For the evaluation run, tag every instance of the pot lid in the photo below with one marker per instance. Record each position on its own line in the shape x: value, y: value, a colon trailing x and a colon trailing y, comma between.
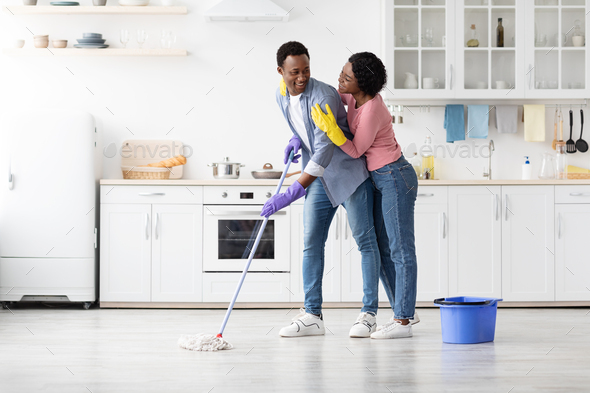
x: 266, y: 168
x: 226, y: 161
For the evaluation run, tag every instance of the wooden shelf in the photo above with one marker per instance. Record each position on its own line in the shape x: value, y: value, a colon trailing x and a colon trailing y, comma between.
x: 93, y: 52
x: 109, y: 10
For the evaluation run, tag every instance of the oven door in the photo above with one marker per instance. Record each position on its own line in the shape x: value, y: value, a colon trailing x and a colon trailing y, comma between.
x: 229, y: 233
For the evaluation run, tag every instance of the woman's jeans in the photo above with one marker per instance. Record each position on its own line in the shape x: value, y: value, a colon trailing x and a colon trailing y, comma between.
x: 395, y: 197
x: 317, y: 216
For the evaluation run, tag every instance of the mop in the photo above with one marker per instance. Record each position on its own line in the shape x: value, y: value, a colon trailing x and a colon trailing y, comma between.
x: 210, y: 342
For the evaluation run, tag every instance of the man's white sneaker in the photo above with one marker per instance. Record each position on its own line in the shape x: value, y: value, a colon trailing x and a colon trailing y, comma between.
x: 365, y: 324
x: 394, y: 330
x: 392, y: 320
x: 305, y: 325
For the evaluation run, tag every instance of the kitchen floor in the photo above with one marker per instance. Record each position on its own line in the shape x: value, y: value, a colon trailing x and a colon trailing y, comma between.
x: 67, y: 349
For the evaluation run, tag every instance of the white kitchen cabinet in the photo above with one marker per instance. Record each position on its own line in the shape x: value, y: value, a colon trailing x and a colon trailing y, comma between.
x: 332, y: 265
x: 258, y: 287
x: 125, y: 252
x: 176, y: 253
x: 572, y: 259
x: 428, y: 54
x: 475, y: 241
x: 528, y: 243
x: 555, y: 68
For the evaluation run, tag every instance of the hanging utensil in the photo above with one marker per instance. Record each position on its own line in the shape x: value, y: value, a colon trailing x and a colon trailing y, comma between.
x: 560, y: 125
x: 554, y: 130
x: 570, y: 145
x: 581, y: 144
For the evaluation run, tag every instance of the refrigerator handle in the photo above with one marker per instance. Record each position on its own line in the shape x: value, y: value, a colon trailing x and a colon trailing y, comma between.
x: 10, y: 176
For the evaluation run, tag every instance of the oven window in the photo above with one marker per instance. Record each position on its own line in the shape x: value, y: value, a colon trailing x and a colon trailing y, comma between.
x: 236, y: 238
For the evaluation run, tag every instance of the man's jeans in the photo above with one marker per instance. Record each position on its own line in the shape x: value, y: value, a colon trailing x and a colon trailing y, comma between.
x: 317, y: 216
x: 396, y: 191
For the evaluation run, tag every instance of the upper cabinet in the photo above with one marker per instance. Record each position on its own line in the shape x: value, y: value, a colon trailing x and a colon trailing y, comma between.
x: 484, y: 49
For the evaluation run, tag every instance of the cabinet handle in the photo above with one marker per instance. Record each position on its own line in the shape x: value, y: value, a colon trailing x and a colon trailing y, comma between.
x: 497, y: 207
x: 337, y: 225
x: 444, y: 228
x: 425, y: 195
x: 530, y: 75
x: 151, y: 193
x: 579, y: 193
x: 451, y: 77
x: 506, y: 207
x: 157, y: 221
x: 559, y: 226
x: 346, y: 226
x: 147, y: 219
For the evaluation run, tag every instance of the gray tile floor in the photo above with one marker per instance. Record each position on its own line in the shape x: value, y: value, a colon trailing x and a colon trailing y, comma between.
x: 73, y: 350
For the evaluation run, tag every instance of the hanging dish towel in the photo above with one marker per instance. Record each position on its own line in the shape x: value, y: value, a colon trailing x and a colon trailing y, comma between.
x: 478, y: 120
x: 534, y: 123
x: 506, y: 118
x: 455, y: 123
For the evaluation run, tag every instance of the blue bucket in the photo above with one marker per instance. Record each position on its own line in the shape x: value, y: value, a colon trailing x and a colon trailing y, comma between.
x: 467, y: 319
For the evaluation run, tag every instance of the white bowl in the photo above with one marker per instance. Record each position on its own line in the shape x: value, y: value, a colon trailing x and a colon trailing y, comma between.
x: 19, y: 43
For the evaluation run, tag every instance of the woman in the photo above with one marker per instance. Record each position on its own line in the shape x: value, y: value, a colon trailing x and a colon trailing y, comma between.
x: 359, y: 84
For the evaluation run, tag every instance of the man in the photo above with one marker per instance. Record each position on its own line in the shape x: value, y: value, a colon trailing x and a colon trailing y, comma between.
x: 330, y: 178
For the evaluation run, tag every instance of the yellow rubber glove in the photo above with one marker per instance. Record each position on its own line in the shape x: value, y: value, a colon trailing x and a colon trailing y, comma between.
x: 327, y: 123
x: 283, y: 87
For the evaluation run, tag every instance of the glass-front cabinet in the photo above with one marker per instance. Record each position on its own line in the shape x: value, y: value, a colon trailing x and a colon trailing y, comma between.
x: 513, y: 49
x: 556, y: 56
x: 420, y: 50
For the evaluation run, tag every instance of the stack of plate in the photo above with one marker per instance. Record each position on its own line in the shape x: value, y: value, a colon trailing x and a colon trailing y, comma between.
x: 134, y: 2
x: 65, y: 3
x: 91, y: 40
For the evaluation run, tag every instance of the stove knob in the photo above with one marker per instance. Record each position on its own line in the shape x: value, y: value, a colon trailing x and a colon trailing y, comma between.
x: 268, y: 194
x: 224, y: 195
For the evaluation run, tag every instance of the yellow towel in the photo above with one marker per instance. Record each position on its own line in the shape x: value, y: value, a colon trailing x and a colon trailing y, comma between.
x: 577, y: 169
x: 534, y: 123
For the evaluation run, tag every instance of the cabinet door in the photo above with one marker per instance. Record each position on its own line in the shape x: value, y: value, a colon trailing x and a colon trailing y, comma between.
x: 125, y: 252
x: 556, y: 66
x: 331, y: 279
x: 431, y: 234
x: 572, y: 259
x: 177, y: 253
x: 480, y: 68
x: 475, y: 241
x: 528, y: 243
x: 419, y: 43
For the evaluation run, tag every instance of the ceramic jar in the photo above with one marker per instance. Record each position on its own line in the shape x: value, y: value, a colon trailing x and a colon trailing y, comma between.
x: 411, y: 82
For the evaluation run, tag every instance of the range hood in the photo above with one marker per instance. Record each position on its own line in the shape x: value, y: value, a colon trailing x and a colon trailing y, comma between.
x: 246, y: 11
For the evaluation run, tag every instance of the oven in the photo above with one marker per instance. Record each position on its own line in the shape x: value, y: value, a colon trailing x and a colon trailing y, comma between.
x: 231, y: 223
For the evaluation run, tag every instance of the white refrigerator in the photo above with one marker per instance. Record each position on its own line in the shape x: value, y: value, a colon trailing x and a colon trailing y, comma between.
x: 51, y: 165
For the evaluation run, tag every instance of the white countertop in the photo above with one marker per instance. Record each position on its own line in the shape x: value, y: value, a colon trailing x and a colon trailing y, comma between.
x: 255, y: 182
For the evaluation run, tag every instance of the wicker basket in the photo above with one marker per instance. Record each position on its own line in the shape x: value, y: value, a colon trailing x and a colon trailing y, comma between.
x: 145, y: 173
x: 578, y: 175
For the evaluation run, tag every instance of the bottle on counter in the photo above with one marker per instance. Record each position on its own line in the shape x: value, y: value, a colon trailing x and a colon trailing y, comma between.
x: 417, y: 165
x: 560, y: 161
x: 473, y: 38
x: 500, y: 34
x: 427, y: 160
x: 527, y: 169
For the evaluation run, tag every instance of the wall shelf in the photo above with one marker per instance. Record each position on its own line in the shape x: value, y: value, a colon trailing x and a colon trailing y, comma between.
x: 95, y: 10
x: 93, y: 52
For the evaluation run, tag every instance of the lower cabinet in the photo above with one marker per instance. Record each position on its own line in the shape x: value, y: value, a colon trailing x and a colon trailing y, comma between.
x: 257, y: 287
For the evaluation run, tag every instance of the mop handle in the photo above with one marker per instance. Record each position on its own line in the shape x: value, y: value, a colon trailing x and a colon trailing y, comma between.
x: 258, y: 237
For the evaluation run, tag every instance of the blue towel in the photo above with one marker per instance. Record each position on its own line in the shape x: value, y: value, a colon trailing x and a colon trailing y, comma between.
x: 478, y: 119
x: 455, y: 123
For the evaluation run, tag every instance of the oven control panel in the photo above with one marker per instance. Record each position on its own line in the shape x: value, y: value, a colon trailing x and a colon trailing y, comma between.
x: 232, y: 195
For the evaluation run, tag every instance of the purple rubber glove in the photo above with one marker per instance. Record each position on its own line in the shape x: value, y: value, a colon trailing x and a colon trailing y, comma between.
x: 295, y: 145
x: 279, y: 201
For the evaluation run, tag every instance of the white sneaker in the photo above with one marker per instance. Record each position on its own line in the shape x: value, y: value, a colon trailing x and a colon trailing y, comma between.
x: 304, y: 325
x: 394, y: 330
x: 365, y: 324
x: 392, y: 320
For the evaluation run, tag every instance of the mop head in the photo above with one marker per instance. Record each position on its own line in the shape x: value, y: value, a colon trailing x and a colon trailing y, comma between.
x: 204, y: 342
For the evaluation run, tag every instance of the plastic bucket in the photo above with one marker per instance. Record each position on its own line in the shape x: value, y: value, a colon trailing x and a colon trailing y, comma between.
x: 467, y: 319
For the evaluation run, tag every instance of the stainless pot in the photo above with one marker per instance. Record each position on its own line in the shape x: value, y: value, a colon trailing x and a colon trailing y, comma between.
x: 226, y: 169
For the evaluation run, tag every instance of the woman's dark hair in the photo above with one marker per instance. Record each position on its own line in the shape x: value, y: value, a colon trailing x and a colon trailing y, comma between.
x: 369, y: 71
x: 291, y: 48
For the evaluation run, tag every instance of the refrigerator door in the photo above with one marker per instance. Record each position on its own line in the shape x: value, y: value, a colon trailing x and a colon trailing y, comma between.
x: 47, y: 185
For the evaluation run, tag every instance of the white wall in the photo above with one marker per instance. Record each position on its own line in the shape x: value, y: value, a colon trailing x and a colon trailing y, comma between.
x: 239, y: 117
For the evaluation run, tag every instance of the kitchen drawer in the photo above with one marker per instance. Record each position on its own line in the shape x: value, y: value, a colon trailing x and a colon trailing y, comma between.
x: 152, y: 194
x: 431, y: 194
x: 238, y: 195
x: 572, y: 194
x: 258, y: 287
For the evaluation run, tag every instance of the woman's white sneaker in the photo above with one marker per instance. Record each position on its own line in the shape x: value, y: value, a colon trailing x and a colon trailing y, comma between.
x: 392, y: 320
x: 365, y: 324
x: 394, y: 330
x: 304, y: 325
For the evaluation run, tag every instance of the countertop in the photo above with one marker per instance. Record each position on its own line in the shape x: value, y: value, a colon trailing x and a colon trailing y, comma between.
x: 255, y: 182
